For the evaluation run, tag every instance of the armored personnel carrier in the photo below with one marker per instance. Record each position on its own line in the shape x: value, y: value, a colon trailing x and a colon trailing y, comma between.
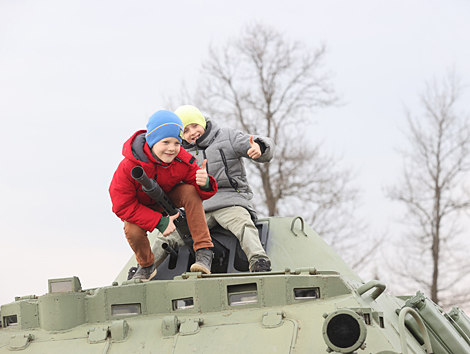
x: 312, y: 302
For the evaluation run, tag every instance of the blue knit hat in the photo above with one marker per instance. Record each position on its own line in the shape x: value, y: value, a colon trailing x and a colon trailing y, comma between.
x: 163, y: 124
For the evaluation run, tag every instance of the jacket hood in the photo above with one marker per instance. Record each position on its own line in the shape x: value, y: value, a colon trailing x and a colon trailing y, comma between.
x: 135, y: 148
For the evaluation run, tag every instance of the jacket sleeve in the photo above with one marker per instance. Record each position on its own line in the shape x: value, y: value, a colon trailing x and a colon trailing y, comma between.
x: 191, y: 179
x: 123, y: 192
x: 241, y: 144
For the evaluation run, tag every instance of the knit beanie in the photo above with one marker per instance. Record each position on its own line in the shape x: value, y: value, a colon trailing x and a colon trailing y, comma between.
x: 163, y: 124
x: 189, y: 115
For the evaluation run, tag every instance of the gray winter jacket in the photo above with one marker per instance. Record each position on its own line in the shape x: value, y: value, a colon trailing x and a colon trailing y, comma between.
x: 224, y: 149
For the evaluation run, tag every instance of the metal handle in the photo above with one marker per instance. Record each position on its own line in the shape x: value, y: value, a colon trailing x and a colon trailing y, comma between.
x: 372, y: 284
x: 402, y: 330
x: 302, y: 223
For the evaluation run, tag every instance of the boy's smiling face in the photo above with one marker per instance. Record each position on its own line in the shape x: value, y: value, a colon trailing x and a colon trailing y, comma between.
x: 192, y: 132
x: 167, y: 149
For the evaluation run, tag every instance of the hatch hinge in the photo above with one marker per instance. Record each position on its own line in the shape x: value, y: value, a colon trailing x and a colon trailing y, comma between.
x: 119, y: 330
x: 170, y: 326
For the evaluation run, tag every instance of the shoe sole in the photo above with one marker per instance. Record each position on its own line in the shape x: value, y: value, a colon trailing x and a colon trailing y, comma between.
x: 151, y: 276
x: 199, y: 268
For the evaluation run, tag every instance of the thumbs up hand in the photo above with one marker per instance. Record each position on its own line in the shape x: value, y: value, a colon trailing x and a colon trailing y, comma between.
x: 201, y: 175
x: 254, y: 151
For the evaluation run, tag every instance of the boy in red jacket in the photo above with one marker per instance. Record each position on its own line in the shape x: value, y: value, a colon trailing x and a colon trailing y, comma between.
x: 158, y: 151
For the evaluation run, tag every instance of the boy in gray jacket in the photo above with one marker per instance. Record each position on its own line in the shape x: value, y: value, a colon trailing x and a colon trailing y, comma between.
x: 230, y: 207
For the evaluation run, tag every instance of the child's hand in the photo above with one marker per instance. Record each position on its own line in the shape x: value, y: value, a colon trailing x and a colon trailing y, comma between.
x: 201, y: 175
x: 254, y: 151
x: 171, y: 226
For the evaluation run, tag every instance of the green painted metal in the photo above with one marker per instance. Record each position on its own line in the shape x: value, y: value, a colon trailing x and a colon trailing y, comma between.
x: 312, y: 302
x: 422, y: 328
x: 444, y: 336
x: 461, y: 321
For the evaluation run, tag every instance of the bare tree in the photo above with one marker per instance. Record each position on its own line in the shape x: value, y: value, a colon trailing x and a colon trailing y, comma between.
x: 265, y: 84
x: 434, y: 193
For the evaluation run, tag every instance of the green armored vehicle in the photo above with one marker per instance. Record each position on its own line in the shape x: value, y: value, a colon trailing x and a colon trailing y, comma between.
x: 312, y: 302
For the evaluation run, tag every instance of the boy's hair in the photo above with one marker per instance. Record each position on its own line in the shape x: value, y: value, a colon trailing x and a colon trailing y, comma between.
x: 190, y: 115
x: 163, y: 124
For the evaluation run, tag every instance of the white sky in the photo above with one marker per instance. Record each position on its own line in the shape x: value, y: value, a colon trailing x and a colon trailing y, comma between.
x: 77, y: 78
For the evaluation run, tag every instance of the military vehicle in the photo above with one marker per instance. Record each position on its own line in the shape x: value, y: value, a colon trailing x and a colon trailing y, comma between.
x: 312, y: 302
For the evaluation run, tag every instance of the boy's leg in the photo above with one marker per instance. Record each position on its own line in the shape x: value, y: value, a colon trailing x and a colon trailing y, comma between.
x: 139, y: 242
x: 210, y: 219
x: 185, y: 195
x: 238, y: 221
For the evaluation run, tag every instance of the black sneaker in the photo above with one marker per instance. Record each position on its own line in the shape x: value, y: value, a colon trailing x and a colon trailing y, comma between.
x: 131, y: 272
x: 261, y: 265
x: 203, y: 261
x: 145, y: 273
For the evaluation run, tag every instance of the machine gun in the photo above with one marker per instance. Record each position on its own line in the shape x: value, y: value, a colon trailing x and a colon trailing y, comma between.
x: 154, y: 191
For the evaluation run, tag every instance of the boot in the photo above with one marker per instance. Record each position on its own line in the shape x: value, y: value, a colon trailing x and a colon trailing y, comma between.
x: 145, y: 273
x: 203, y: 261
x: 261, y: 265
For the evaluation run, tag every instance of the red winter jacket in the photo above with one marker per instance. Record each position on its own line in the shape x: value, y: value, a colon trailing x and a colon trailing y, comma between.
x: 130, y: 202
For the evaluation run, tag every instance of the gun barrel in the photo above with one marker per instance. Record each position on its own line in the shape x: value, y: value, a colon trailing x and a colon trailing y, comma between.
x: 140, y: 176
x: 168, y: 249
x: 155, y: 192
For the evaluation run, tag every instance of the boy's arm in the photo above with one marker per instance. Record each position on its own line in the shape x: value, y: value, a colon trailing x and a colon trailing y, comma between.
x: 123, y: 192
x: 241, y: 144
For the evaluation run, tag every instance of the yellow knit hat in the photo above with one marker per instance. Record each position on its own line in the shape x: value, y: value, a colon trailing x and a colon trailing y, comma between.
x: 189, y: 115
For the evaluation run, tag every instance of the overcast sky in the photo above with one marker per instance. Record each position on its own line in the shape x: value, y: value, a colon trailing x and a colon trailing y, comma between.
x: 77, y: 78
